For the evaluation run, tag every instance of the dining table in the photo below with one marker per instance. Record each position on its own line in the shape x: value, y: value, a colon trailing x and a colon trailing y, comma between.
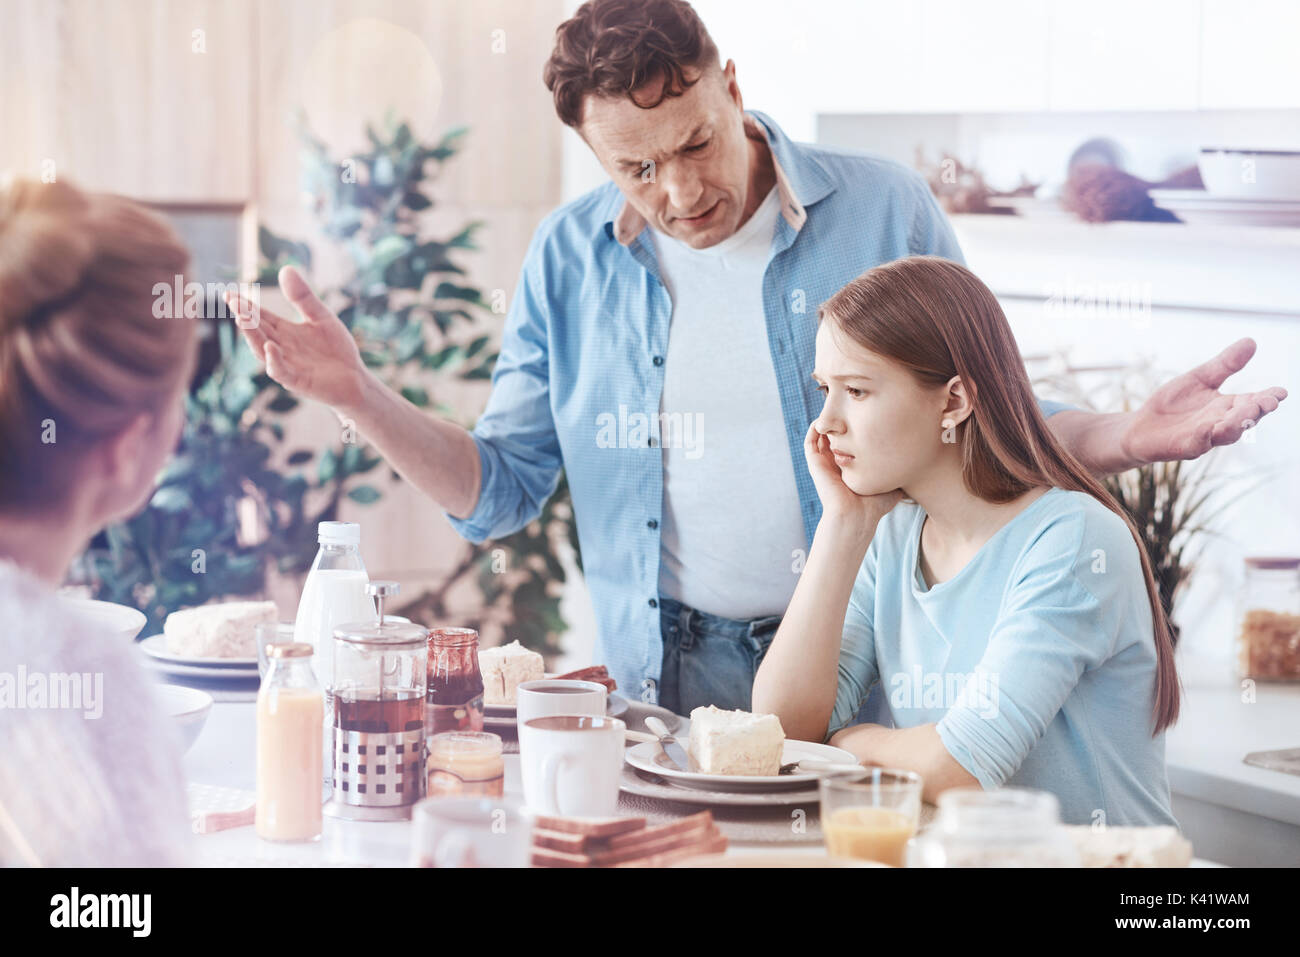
x: 220, y: 771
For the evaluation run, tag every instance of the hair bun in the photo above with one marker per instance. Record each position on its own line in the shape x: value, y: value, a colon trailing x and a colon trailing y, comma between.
x: 45, y: 249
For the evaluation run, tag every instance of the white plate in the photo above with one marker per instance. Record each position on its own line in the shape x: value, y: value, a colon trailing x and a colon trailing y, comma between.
x: 155, y: 647
x: 232, y: 675
x: 645, y: 784
x: 650, y: 757
x: 1197, y: 206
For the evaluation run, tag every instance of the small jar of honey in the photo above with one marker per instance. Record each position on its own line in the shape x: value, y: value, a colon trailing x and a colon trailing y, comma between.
x: 465, y: 763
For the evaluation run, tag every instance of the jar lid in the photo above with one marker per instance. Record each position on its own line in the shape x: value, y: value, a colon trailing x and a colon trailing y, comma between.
x: 465, y: 742
x: 999, y: 812
x: 1272, y: 561
x: 453, y: 637
x: 290, y: 649
x: 390, y: 633
x: 338, y: 533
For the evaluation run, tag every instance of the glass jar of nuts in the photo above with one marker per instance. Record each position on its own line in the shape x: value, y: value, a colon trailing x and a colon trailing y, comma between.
x: 1268, y: 620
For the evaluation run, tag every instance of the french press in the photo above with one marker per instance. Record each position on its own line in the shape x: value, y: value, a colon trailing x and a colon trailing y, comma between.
x: 380, y: 675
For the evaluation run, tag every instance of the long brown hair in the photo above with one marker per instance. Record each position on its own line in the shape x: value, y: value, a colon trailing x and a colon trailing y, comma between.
x: 80, y: 346
x: 936, y: 318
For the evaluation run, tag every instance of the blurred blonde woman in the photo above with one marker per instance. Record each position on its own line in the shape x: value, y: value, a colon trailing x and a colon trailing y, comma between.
x: 91, y: 405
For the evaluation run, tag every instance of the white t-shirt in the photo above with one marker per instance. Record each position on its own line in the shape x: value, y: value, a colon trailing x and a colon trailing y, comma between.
x: 731, y: 517
x: 98, y: 784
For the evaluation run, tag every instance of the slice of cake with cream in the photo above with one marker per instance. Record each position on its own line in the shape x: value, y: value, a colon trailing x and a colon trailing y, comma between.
x: 735, y: 742
x: 505, y: 668
x: 226, y: 630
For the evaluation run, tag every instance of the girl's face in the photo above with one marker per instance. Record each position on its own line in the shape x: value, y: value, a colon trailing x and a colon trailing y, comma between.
x: 882, y: 423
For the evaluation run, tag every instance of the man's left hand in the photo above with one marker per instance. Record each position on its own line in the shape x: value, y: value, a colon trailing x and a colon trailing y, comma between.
x: 1188, y: 415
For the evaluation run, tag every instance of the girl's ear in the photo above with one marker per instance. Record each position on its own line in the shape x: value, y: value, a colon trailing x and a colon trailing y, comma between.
x: 958, y: 404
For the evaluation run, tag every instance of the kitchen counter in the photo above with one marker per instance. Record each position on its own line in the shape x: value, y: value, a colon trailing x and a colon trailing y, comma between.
x: 1231, y: 811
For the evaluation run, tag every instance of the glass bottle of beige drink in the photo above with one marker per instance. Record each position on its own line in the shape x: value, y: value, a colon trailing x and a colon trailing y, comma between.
x: 290, y: 712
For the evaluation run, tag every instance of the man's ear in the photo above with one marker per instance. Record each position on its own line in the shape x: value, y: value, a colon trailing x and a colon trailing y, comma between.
x: 958, y: 401
x: 732, y: 87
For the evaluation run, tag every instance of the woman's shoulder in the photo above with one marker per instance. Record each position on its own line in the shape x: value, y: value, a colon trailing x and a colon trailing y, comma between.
x: 45, y: 632
x: 1072, y: 529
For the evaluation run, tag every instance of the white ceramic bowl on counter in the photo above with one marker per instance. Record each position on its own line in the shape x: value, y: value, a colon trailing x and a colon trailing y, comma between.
x: 1250, y: 174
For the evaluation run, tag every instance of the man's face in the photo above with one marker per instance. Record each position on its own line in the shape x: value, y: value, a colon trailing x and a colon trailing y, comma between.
x: 684, y: 165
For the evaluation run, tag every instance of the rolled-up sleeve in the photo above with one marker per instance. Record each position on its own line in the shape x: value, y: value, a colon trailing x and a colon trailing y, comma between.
x: 858, y: 670
x: 1051, y: 630
x: 518, y: 449
x: 1049, y: 408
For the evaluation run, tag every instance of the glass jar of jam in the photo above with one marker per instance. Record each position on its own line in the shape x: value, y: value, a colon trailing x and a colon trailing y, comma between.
x: 454, y: 699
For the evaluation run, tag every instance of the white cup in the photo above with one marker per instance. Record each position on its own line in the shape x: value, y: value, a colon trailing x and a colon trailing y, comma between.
x: 471, y: 832
x: 536, y: 699
x: 571, y: 764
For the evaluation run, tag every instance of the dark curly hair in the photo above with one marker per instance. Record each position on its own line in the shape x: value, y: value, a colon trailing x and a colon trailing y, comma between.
x: 613, y: 47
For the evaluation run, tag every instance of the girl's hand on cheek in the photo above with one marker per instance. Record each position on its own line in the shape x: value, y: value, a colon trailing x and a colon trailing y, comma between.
x: 840, y: 504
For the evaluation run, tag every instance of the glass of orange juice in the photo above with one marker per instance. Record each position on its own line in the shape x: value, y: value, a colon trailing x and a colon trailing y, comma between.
x: 871, y: 816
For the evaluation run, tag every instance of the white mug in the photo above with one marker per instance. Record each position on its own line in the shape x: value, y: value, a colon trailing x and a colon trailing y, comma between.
x: 536, y: 699
x: 571, y: 764
x: 471, y: 832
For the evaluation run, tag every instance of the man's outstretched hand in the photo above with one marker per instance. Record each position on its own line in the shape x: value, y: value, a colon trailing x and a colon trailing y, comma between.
x: 317, y: 357
x: 1188, y: 415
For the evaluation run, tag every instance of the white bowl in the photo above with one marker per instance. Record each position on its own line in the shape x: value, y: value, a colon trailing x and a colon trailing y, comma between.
x: 122, y: 620
x: 1250, y: 174
x: 188, y: 707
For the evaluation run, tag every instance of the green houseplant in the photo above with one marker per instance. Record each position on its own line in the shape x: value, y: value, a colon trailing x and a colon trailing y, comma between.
x: 236, y: 502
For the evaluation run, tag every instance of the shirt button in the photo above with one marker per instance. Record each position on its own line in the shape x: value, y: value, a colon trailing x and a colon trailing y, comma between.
x: 658, y: 360
x: 653, y: 603
x: 652, y: 524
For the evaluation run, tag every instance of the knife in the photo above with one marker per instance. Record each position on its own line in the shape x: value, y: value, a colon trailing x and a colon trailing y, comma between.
x: 676, y: 753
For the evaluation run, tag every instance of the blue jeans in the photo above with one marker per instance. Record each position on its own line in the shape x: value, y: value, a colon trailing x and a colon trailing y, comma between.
x: 709, y: 660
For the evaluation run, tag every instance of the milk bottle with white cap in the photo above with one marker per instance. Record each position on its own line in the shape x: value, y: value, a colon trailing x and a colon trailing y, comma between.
x: 334, y: 594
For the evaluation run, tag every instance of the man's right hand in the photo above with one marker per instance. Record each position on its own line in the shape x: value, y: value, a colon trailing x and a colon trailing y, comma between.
x: 316, y: 358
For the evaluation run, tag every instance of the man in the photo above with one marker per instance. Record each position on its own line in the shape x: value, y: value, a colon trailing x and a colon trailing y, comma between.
x: 659, y: 349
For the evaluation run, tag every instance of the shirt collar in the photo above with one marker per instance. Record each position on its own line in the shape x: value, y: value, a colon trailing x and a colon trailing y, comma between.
x: 800, y: 181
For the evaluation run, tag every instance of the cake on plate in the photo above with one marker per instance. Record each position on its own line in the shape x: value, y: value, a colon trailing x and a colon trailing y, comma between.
x: 1162, y: 846
x: 735, y: 742
x: 505, y: 668
x: 226, y: 630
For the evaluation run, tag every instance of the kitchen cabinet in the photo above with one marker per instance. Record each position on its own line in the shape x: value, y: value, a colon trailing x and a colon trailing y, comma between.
x: 1120, y: 55
x: 152, y: 98
x: 1007, y: 56
x: 1248, y: 54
